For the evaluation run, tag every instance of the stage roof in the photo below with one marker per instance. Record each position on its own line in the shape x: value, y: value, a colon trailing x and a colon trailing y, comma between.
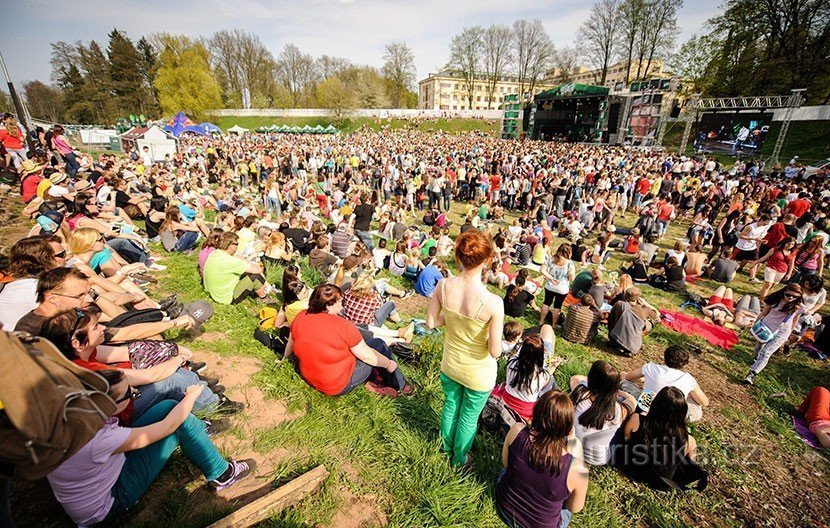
x: 572, y: 90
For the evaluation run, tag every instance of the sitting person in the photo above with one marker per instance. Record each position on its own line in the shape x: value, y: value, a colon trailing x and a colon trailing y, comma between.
x: 28, y: 258
x: 542, y: 468
x: 294, y: 300
x: 363, y: 305
x: 528, y: 375
x: 581, y: 321
x: 816, y: 411
x: 320, y: 258
x: 277, y: 250
x: 108, y: 475
x: 671, y: 373
x: 695, y: 260
x: 429, y: 277
x: 346, y: 272
x: 723, y: 269
x: 495, y: 275
x: 331, y: 354
x: 517, y: 299
x: 209, y: 245
x: 721, y: 306
x: 671, y: 278
x: 600, y: 409
x: 639, y: 268
x: 380, y: 255
x: 79, y: 336
x: 231, y: 280
x: 629, y: 320
x: 632, y: 242
x: 652, y: 443
x: 178, y: 235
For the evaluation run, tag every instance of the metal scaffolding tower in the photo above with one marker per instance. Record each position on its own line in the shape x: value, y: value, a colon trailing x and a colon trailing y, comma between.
x: 795, y: 100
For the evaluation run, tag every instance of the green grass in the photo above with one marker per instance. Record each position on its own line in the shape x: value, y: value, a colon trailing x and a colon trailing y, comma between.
x: 350, y: 124
x: 392, y: 448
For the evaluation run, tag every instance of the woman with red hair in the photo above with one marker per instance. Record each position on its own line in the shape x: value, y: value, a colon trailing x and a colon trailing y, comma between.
x: 474, y: 318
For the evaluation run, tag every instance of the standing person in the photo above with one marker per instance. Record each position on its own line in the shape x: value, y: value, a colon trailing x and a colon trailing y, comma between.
x: 780, y: 261
x: 559, y: 271
x: 665, y: 214
x: 474, y: 319
x: 362, y: 221
x: 66, y: 151
x: 773, y: 328
x: 544, y: 481
x: 749, y: 240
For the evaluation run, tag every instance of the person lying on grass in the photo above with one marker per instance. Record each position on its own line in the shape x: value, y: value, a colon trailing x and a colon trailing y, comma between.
x: 816, y: 412
x: 107, y: 477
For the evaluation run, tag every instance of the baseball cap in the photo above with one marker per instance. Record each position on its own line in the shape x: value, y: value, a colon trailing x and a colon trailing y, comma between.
x: 200, y: 311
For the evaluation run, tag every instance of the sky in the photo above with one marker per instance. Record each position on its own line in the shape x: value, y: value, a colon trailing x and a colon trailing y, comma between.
x: 355, y: 29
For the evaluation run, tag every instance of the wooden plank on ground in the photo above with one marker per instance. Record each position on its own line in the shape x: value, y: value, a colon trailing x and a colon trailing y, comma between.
x: 275, y: 501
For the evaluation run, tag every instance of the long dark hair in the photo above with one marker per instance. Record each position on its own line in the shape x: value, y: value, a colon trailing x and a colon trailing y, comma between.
x: 516, y: 288
x: 789, y: 307
x: 664, y: 428
x: 529, y: 362
x: 553, y: 420
x: 289, y: 275
x: 603, y: 383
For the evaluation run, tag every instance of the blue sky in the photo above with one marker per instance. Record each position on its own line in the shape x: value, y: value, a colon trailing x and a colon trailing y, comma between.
x: 355, y: 29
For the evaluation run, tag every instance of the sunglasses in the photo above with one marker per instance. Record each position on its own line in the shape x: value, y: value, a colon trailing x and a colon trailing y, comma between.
x: 80, y: 316
x: 792, y: 296
x: 131, y: 394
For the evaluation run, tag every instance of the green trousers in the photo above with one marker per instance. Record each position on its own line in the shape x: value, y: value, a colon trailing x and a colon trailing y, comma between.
x: 459, y: 418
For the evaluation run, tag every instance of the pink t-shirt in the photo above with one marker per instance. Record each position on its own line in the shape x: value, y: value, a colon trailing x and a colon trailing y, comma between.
x: 83, y: 483
x: 203, y: 255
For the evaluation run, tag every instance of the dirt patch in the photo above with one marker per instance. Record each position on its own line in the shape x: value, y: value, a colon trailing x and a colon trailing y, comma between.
x: 411, y: 305
x: 210, y: 337
x: 357, y: 512
x: 13, y: 226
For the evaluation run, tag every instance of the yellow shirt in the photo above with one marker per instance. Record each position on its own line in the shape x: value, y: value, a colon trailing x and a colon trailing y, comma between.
x: 42, y: 187
x: 294, y: 309
x: 467, y: 358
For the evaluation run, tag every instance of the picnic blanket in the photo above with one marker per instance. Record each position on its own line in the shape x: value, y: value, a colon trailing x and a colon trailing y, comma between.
x: 804, y: 432
x: 686, y: 324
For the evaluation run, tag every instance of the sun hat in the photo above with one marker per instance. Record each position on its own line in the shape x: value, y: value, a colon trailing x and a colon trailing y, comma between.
x: 57, y: 177
x: 30, y: 167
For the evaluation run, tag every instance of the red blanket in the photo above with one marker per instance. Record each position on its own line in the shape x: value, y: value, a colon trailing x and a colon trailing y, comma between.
x: 686, y: 324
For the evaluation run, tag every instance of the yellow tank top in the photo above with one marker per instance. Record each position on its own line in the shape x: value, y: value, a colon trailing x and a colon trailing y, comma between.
x: 467, y: 358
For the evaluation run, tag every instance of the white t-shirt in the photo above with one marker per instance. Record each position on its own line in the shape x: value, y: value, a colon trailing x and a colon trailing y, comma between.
x: 755, y: 231
x: 596, y: 443
x: 659, y: 376
x: 16, y: 300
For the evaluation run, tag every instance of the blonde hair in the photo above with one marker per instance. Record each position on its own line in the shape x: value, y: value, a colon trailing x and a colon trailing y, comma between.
x: 276, y: 239
x: 625, y: 282
x: 82, y: 239
x: 363, y: 286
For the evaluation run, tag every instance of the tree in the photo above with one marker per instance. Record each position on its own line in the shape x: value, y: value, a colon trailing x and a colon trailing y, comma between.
x: 97, y: 86
x: 497, y: 43
x: 331, y: 66
x: 565, y: 61
x: 184, y: 79
x: 44, y: 101
x: 334, y: 94
x: 399, y: 71
x: 465, y: 58
x: 149, y: 67
x: 533, y: 53
x: 657, y: 34
x: 296, y: 70
x: 630, y: 15
x: 597, y: 37
x: 6, y: 104
x: 692, y: 61
x: 242, y: 62
x: 126, y: 76
x: 772, y: 47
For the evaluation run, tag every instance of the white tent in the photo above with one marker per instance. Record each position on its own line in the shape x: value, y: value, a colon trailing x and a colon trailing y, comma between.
x: 236, y: 129
x: 159, y: 142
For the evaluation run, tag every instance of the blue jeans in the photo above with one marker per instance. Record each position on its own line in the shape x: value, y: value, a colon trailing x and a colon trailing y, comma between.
x: 142, y: 466
x: 274, y: 205
x: 128, y: 250
x: 362, y: 371
x: 172, y: 388
x: 366, y: 238
x: 187, y: 241
x: 72, y: 164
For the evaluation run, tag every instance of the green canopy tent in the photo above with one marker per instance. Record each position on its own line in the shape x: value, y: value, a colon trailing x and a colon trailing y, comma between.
x: 262, y: 129
x: 331, y: 130
x: 294, y: 130
x: 306, y: 130
x: 273, y: 128
x: 318, y: 129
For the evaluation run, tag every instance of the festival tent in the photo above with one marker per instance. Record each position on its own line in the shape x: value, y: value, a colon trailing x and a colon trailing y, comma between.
x: 210, y: 128
x: 181, y: 123
x: 306, y: 130
x: 275, y: 128
x: 294, y: 130
x: 331, y: 130
x: 319, y: 129
x: 262, y: 129
x: 284, y: 129
x: 158, y: 141
x: 236, y: 129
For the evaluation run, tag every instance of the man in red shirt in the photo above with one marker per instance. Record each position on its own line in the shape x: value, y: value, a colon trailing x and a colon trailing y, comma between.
x: 799, y: 206
x: 495, y: 188
x: 642, y: 188
x: 665, y: 210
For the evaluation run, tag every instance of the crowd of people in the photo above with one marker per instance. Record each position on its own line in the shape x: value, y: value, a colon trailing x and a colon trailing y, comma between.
x: 367, y: 212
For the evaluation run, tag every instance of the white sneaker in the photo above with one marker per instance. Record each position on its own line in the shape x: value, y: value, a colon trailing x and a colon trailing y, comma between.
x: 750, y: 379
x: 156, y: 267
